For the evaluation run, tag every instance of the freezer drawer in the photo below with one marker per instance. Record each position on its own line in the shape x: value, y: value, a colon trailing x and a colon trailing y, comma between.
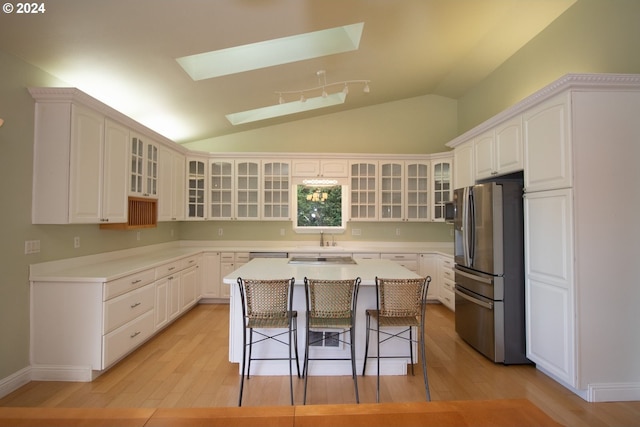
x: 479, y: 323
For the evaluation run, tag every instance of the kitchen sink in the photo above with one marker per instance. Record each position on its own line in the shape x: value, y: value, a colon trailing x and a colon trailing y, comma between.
x: 321, y: 260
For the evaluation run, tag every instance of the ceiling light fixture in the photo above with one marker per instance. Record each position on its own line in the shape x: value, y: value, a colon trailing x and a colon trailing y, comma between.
x: 322, y: 88
x: 299, y: 102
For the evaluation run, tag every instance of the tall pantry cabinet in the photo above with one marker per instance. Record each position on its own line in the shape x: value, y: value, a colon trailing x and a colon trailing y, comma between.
x: 582, y: 147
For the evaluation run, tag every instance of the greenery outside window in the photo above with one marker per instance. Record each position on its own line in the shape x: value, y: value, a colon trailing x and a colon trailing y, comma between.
x: 319, y: 208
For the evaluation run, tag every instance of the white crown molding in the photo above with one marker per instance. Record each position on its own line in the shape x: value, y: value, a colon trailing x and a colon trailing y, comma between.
x: 593, y: 82
x: 74, y: 95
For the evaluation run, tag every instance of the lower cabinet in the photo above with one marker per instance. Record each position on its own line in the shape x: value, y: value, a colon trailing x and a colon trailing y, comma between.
x: 79, y: 329
x: 446, y: 280
x: 428, y: 266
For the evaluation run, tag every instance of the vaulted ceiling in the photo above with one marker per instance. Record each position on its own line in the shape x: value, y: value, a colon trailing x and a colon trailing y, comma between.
x: 124, y: 52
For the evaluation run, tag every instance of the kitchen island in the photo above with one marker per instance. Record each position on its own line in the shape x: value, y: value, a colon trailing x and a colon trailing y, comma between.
x: 281, y: 268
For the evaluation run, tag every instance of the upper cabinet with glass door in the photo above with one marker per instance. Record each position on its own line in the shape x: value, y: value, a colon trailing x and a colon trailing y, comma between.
x: 276, y: 190
x: 221, y: 189
x: 364, y: 191
x: 247, y: 189
x: 442, y: 186
x: 391, y: 191
x: 404, y: 191
x: 143, y: 180
x: 196, y: 189
x: 417, y: 191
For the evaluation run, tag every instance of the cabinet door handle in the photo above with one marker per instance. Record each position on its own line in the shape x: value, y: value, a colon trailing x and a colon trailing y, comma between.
x: 171, y: 268
x: 135, y: 334
x: 135, y: 305
x: 136, y: 281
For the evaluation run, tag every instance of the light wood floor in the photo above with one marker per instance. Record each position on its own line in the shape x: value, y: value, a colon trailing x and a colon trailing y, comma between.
x: 187, y: 365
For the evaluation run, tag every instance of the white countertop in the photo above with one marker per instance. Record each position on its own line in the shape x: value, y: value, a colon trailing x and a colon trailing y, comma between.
x: 279, y: 268
x: 113, y: 265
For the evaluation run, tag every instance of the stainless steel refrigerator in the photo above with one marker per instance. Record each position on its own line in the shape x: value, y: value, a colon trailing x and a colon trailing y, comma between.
x: 489, y: 271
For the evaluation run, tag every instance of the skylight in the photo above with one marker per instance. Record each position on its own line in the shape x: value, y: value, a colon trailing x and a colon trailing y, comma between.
x: 272, y: 52
x: 286, y: 108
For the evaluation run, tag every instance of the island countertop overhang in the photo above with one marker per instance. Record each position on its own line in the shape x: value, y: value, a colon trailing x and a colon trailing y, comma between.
x: 280, y: 268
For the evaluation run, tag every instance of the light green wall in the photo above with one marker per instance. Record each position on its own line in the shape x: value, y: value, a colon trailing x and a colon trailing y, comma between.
x: 416, y: 125
x: 265, y: 231
x: 16, y: 140
x: 592, y: 36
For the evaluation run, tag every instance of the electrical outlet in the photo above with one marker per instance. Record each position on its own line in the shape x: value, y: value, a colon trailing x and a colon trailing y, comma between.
x: 31, y: 247
x: 220, y: 232
x: 397, y: 231
x: 282, y: 231
x: 76, y: 242
x: 138, y: 236
x: 356, y: 232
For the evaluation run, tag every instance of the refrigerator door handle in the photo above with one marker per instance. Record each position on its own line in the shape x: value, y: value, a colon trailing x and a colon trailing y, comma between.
x: 474, y: 277
x: 465, y: 226
x: 473, y: 300
x: 472, y: 228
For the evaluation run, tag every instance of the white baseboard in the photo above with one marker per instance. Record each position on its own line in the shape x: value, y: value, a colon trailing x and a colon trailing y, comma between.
x: 614, y: 392
x: 14, y: 381
x: 62, y: 373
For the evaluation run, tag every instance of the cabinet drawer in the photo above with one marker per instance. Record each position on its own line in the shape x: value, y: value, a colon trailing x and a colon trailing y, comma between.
x: 126, y: 338
x: 447, y: 263
x: 189, y: 262
x: 449, y: 285
x: 127, y: 307
x: 167, y: 269
x: 242, y: 257
x: 400, y: 257
x: 363, y: 255
x: 447, y: 274
x: 128, y: 283
x: 227, y: 257
x: 447, y: 298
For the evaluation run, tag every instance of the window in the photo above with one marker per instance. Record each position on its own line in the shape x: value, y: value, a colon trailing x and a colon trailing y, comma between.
x: 320, y: 208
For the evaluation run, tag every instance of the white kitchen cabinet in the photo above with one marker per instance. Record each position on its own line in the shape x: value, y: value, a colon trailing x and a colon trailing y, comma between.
x: 581, y: 292
x: 170, y: 185
x: 549, y: 286
x: 405, y: 190
x: 428, y: 266
x: 229, y: 262
x: 80, y: 163
x: 392, y: 198
x: 463, y: 173
x: 324, y: 168
x: 364, y: 191
x: 500, y: 150
x: 161, y: 309
x: 247, y: 193
x: 276, y: 190
x: 547, y: 142
x: 211, y: 284
x: 143, y: 178
x: 221, y: 189
x: 407, y: 260
x: 446, y: 281
x: 196, y: 189
x: 189, y: 288
x: 79, y: 328
x: 440, y: 187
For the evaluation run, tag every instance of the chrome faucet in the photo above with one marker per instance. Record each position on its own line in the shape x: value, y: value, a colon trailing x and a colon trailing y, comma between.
x: 321, y: 238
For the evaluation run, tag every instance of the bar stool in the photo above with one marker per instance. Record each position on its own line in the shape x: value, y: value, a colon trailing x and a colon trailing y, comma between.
x: 267, y: 304
x: 399, y: 303
x: 331, y: 304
